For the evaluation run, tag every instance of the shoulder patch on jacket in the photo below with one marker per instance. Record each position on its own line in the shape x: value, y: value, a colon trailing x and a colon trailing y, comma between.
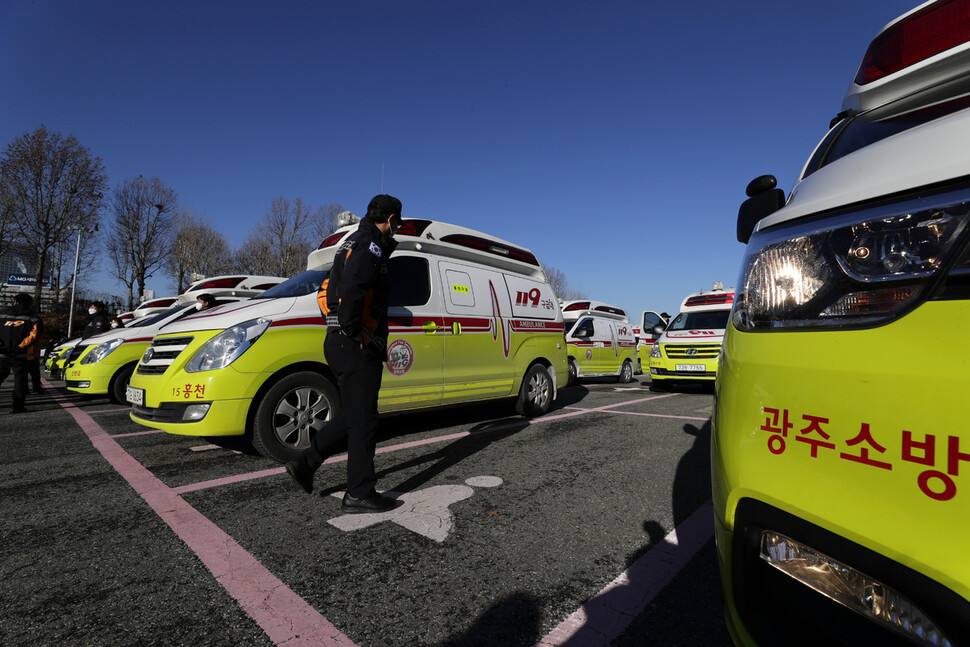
x: 375, y: 249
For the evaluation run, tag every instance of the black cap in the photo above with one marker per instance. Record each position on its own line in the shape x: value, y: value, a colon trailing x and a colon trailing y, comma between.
x: 382, y: 207
x: 23, y: 298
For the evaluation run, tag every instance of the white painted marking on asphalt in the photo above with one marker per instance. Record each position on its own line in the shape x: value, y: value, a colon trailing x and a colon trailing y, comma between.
x: 203, y: 448
x: 483, y: 481
x: 422, y: 511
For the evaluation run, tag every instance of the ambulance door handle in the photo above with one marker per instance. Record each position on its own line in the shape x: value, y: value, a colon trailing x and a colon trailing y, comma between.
x: 455, y: 328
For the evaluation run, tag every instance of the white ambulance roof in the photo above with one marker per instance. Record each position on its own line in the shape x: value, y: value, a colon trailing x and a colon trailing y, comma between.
x: 242, y: 285
x: 452, y: 241
x: 722, y: 299
x: 577, y: 308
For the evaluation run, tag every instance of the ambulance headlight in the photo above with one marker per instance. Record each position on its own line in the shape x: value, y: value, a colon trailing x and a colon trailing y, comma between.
x: 655, y: 350
x: 857, y: 269
x: 101, y: 351
x: 226, y: 347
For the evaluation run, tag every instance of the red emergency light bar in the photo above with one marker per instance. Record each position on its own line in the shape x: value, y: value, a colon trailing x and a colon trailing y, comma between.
x: 710, y: 300
x: 157, y: 303
x: 332, y: 239
x: 579, y: 305
x: 412, y: 227
x: 917, y: 37
x: 491, y: 247
x: 227, y: 282
x: 611, y: 310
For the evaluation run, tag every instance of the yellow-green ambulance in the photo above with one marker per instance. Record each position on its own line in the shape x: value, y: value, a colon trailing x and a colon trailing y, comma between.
x: 472, y: 318
x: 103, y: 364
x: 841, y: 447
x: 599, y: 340
x: 686, y: 350
x: 647, y: 333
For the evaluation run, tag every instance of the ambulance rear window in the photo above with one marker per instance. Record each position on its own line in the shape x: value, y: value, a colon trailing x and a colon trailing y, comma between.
x: 410, y: 280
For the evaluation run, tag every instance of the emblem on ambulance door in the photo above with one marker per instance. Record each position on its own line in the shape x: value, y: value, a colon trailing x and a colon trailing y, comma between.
x: 400, y: 356
x: 589, y: 354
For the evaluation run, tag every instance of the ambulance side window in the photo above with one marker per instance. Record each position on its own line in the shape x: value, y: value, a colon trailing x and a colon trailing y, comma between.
x: 410, y: 281
x: 584, y: 329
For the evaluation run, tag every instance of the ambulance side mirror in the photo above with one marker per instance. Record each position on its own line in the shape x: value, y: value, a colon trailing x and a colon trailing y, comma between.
x: 582, y: 333
x: 763, y: 200
x: 658, y: 329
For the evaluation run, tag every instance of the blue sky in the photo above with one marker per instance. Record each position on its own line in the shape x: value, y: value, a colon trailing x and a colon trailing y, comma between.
x: 614, y: 139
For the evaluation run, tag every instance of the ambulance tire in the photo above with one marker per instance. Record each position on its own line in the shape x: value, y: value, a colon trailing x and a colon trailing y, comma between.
x: 626, y: 373
x: 573, y: 372
x: 294, y: 408
x: 535, y: 394
x: 118, y: 390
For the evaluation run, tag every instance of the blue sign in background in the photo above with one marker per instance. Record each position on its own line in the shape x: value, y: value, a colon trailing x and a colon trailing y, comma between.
x: 26, y: 279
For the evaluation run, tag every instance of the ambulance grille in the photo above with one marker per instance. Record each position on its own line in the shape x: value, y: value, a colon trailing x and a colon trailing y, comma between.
x: 76, y: 351
x: 691, y: 351
x: 164, y: 352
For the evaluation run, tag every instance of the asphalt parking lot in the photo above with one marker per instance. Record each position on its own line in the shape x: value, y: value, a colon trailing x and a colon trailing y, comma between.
x: 588, y: 526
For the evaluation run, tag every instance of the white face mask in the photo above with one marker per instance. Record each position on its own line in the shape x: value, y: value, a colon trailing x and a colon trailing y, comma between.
x: 114, y: 324
x: 92, y: 311
x: 198, y: 305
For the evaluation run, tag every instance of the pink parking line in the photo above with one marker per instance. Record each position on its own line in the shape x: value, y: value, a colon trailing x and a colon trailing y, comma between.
x: 605, y: 616
x: 281, y: 613
x: 649, y: 415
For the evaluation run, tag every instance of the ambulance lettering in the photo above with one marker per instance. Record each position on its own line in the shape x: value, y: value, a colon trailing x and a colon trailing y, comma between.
x: 862, y: 447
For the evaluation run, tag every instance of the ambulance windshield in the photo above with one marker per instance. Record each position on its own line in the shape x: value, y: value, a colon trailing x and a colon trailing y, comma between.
x: 710, y: 320
x: 309, y: 281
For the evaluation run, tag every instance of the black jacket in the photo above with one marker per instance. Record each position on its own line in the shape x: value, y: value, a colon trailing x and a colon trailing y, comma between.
x: 19, y: 329
x: 356, y: 295
x: 97, y: 325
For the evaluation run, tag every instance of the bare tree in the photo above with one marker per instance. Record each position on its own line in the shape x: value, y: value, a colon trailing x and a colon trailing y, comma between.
x: 139, y: 238
x: 197, y: 248
x: 50, y: 187
x: 324, y: 221
x: 279, y: 243
x: 560, y: 286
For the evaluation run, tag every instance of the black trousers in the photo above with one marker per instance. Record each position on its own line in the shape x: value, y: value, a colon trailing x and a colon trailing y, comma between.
x: 359, y: 373
x: 17, y: 364
x: 33, y: 370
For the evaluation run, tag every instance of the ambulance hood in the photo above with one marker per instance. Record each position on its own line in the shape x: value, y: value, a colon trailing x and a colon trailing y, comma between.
x: 227, y: 316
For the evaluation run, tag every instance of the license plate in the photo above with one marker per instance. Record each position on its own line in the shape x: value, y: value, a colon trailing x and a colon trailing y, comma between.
x: 695, y: 368
x: 135, y: 396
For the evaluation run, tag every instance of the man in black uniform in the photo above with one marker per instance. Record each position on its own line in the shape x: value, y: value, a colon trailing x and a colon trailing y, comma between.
x: 354, y: 299
x: 99, y: 320
x: 19, y: 327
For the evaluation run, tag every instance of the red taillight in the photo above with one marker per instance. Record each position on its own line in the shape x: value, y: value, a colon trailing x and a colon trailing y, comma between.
x: 156, y: 303
x: 580, y: 305
x: 916, y: 38
x: 332, y: 239
x: 484, y: 245
x: 228, y: 282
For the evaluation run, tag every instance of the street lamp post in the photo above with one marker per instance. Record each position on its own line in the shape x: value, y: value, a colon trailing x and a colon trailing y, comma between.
x: 77, y: 255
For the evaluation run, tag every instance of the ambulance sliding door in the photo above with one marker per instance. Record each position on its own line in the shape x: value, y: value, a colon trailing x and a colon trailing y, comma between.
x: 477, y: 333
x: 415, y: 345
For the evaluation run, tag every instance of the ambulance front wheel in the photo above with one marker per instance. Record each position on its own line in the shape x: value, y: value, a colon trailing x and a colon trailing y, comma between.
x: 535, y: 394
x: 119, y: 384
x: 626, y: 373
x: 291, y: 412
